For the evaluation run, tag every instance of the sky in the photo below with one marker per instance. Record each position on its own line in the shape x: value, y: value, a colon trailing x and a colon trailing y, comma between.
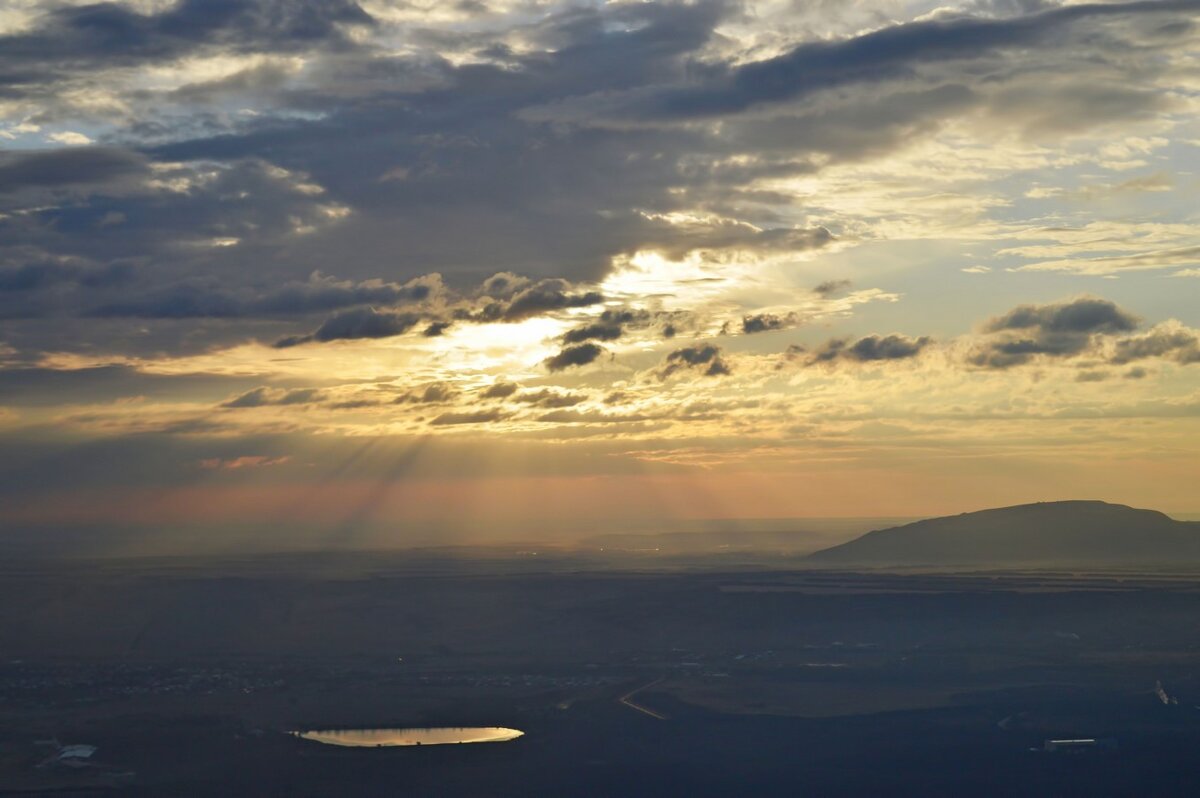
x: 402, y: 269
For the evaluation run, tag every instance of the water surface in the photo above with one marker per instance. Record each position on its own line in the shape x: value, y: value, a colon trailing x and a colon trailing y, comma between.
x: 380, y: 738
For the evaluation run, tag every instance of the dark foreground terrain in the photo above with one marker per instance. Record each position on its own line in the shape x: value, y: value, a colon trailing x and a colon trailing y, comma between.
x: 627, y: 679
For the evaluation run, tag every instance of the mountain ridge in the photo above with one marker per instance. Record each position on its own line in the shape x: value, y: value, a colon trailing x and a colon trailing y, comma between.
x: 1061, y: 532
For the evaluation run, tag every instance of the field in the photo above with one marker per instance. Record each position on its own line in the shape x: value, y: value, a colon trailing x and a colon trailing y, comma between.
x: 187, y: 674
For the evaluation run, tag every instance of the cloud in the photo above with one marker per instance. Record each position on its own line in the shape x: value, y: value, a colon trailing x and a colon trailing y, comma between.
x: 572, y: 356
x: 766, y: 322
x: 72, y: 166
x: 37, y: 386
x: 618, y: 173
x: 599, y: 331
x: 1111, y: 264
x: 356, y: 324
x: 1091, y: 376
x: 76, y: 40
x: 434, y: 393
x: 591, y: 417
x: 1061, y: 329
x: 551, y: 399
x: 705, y: 358
x: 70, y: 138
x: 536, y: 300
x: 831, y: 287
x: 874, y: 57
x: 870, y: 348
x: 503, y: 285
x: 553, y: 143
x: 1169, y: 340
x: 39, y: 273
x: 318, y: 293
x: 242, y: 462
x: 469, y: 417
x: 612, y: 323
x: 264, y: 396
x: 1083, y: 315
x: 500, y: 390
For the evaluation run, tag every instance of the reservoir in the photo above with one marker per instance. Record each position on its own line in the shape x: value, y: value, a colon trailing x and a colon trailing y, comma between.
x: 386, y: 738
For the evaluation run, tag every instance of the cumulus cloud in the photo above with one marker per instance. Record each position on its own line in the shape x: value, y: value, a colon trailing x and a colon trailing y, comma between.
x: 1170, y: 340
x: 599, y: 331
x: 867, y: 349
x: 1061, y: 329
x: 572, y: 356
x: 355, y: 324
x: 766, y: 322
x: 704, y: 358
x: 612, y: 323
x: 538, y: 299
x: 1084, y: 315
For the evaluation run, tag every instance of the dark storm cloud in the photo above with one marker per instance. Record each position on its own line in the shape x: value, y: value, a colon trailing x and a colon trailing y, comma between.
x: 199, y: 300
x: 455, y: 157
x: 885, y: 54
x: 71, y: 39
x: 705, y: 358
x: 177, y: 241
x: 1060, y: 329
x: 355, y: 324
x: 870, y: 348
x: 39, y: 273
x: 72, y: 166
x: 571, y: 356
x: 33, y: 387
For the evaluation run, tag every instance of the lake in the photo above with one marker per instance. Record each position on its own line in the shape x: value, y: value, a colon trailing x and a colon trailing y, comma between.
x: 386, y: 738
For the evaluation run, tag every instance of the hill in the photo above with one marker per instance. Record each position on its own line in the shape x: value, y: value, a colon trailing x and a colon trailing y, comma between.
x: 1067, y: 532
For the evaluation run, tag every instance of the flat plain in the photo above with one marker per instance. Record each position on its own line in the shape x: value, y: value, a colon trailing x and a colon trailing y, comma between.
x: 187, y: 674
